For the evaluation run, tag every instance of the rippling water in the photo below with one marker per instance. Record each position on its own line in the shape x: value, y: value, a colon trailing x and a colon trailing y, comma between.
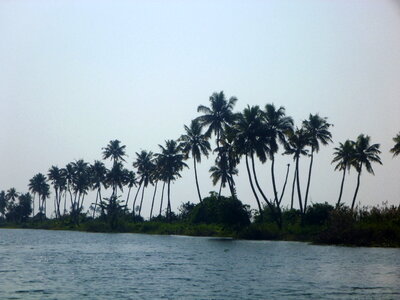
x: 38, y: 264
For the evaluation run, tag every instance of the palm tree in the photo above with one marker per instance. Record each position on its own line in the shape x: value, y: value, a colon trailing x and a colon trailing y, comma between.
x: 194, y: 143
x: 3, y: 203
x: 317, y: 129
x: 116, y: 178
x: 217, y: 116
x: 251, y: 139
x: 222, y: 172
x: 38, y: 185
x: 98, y: 173
x: 58, y: 181
x: 80, y: 185
x: 130, y: 182
x: 297, y: 141
x: 277, y: 127
x: 144, y: 167
x: 344, y: 154
x: 396, y: 148
x: 114, y: 151
x: 364, y: 154
x: 171, y: 162
x: 11, y: 196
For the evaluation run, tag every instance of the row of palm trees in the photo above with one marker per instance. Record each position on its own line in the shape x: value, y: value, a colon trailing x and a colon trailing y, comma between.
x: 254, y: 134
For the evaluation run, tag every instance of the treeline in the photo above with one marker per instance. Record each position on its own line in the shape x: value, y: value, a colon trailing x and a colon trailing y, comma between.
x: 254, y: 134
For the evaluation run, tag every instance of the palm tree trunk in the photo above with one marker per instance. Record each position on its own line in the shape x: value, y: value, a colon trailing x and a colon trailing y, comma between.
x: 273, y: 180
x: 256, y: 180
x: 252, y: 186
x: 65, y: 202
x: 355, y: 194
x: 278, y: 217
x: 293, y: 187
x: 195, y: 176
x: 341, y: 187
x: 141, y: 200
x: 59, y: 202
x: 298, y: 185
x: 33, y: 204
x: 95, y: 204
x: 284, y: 185
x: 137, y: 192
x: 162, y: 197
x: 152, y: 202
x: 309, y: 179
x: 127, y: 198
x: 169, y: 200
x: 220, y: 189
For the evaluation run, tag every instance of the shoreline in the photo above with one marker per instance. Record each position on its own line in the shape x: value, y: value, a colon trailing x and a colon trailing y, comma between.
x: 197, y: 230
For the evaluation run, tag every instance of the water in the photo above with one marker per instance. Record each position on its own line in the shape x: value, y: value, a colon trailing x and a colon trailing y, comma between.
x: 38, y: 264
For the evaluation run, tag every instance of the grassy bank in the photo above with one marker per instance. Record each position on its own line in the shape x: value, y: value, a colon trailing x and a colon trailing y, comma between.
x: 323, y: 225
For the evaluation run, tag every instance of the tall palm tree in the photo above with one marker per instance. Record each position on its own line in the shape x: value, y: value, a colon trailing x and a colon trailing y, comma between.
x: 11, y: 196
x: 251, y: 140
x: 364, y: 155
x: 57, y: 180
x: 80, y: 184
x: 194, y: 143
x: 216, y: 117
x: 38, y: 185
x: 130, y: 182
x: 317, y: 129
x: 114, y: 151
x: 297, y: 142
x: 344, y: 154
x: 116, y: 178
x: 278, y: 125
x: 171, y: 161
x: 396, y: 148
x: 144, y: 166
x: 98, y: 173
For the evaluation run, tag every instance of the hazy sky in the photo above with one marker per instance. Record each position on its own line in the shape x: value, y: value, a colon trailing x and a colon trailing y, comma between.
x: 76, y: 74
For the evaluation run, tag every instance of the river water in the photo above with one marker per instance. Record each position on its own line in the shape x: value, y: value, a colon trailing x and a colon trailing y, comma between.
x: 39, y: 264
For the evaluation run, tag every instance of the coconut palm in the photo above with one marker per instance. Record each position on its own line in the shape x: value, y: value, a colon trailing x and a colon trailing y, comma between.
x: 57, y: 179
x: 131, y: 181
x: 144, y: 167
x: 364, y: 155
x: 116, y: 178
x: 222, y: 172
x: 277, y: 126
x: 344, y: 154
x: 80, y: 185
x: 216, y: 117
x: 297, y: 142
x: 98, y: 173
x: 396, y: 148
x: 194, y: 143
x: 38, y: 185
x: 114, y: 151
x: 317, y: 129
x: 171, y: 163
x: 251, y: 140
x: 11, y: 195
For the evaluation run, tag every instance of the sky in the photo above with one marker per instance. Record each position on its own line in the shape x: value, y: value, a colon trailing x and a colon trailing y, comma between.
x: 76, y: 74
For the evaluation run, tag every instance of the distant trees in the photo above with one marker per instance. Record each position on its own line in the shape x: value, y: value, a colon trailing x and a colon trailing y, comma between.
x: 254, y: 135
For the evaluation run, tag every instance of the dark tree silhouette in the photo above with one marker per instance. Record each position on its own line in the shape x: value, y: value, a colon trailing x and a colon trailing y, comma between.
x: 98, y: 173
x: 218, y: 116
x: 363, y: 156
x: 396, y: 148
x: 194, y: 143
x: 114, y: 151
x: 171, y: 161
x: 297, y: 142
x: 344, y: 154
x: 38, y: 185
x: 278, y: 125
x: 317, y: 129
